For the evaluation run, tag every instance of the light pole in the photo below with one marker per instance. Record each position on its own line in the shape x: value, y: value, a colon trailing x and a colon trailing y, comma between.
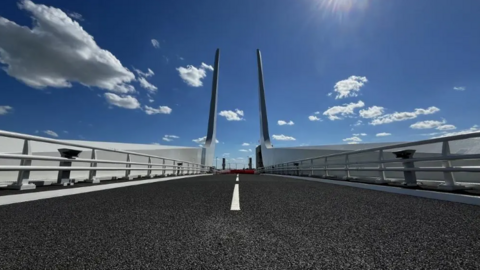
x: 216, y: 163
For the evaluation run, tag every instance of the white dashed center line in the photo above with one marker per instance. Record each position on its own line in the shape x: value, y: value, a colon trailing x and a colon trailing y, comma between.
x: 237, y: 178
x: 236, y: 199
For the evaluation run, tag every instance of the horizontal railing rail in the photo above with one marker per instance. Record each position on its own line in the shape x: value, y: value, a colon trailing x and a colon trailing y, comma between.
x: 178, y: 167
x: 331, y: 163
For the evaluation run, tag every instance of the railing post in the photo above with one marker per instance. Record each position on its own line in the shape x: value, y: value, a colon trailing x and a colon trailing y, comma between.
x: 23, y: 176
x: 163, y: 162
x: 92, y: 174
x: 450, y: 183
x: 381, y: 167
x: 311, y: 167
x: 149, y: 172
x: 188, y: 168
x: 127, y: 171
x: 347, y: 167
x: 326, y: 166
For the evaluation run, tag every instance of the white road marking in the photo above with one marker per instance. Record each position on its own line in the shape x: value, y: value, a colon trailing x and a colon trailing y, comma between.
x: 237, y: 178
x: 18, y: 198
x: 236, y: 199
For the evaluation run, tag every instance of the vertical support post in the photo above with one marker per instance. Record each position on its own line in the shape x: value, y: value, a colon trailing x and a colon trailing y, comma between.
x: 149, y: 172
x: 347, y: 167
x: 326, y: 166
x: 23, y: 176
x: 410, y: 176
x: 188, y: 168
x: 450, y: 183
x: 64, y: 175
x: 163, y: 167
x: 92, y: 174
x: 311, y: 167
x: 381, y: 166
x: 127, y: 171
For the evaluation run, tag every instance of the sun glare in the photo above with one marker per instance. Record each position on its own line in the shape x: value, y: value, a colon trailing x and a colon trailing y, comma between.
x: 342, y: 6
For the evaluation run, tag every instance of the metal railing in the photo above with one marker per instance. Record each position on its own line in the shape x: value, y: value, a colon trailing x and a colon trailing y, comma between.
x: 376, y: 156
x: 179, y: 167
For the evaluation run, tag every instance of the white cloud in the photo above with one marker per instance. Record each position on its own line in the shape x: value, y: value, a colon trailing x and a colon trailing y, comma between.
x: 427, y: 124
x: 124, y: 101
x: 345, y: 110
x: 245, y: 144
x: 283, y: 138
x: 226, y: 154
x: 232, y: 115
x: 205, y: 66
x: 155, y: 43
x: 372, y: 112
x: 383, y: 134
x: 58, y: 51
x: 316, y: 113
x: 282, y: 123
x: 245, y: 150
x: 193, y: 76
x: 352, y: 139
x: 358, y: 123
x: 202, y: 140
x: 360, y: 134
x: 76, y: 16
x: 5, y: 109
x: 170, y: 138
x: 147, y: 74
x: 473, y: 129
x: 161, y: 110
x: 446, y: 127
x: 352, y: 142
x: 349, y: 87
x: 402, y: 116
x: 151, y: 100
x: 51, y: 133
x: 314, y: 118
x: 459, y: 88
x: 66, y: 132
x: 145, y: 84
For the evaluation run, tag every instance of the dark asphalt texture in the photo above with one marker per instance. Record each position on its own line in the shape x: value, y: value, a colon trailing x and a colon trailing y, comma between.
x: 283, y: 224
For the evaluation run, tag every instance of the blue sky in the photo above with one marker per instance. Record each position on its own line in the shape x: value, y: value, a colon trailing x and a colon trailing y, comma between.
x: 336, y: 71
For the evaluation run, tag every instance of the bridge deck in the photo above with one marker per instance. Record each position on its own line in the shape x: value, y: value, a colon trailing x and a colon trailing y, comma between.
x: 283, y: 223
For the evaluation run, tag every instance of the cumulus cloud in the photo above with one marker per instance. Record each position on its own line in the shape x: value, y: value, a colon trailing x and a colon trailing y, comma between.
x: 473, y: 129
x: 76, y: 16
x: 124, y: 101
x: 245, y: 150
x: 5, y: 109
x: 236, y: 115
x: 245, y: 144
x: 202, y: 140
x: 147, y: 74
x: 345, y: 110
x: 383, y: 134
x: 372, y: 112
x: 169, y: 138
x: 314, y: 118
x: 145, y: 84
x: 459, y: 88
x: 57, y: 51
x: 161, y: 110
x: 446, y: 127
x: 283, y: 123
x: 402, y: 116
x: 155, y: 43
x: 428, y: 124
x: 349, y: 87
x: 360, y: 134
x: 354, y: 139
x: 283, y: 138
x: 51, y: 133
x: 193, y: 76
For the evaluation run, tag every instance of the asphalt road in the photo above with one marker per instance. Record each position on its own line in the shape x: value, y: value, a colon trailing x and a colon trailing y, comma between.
x: 283, y: 224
